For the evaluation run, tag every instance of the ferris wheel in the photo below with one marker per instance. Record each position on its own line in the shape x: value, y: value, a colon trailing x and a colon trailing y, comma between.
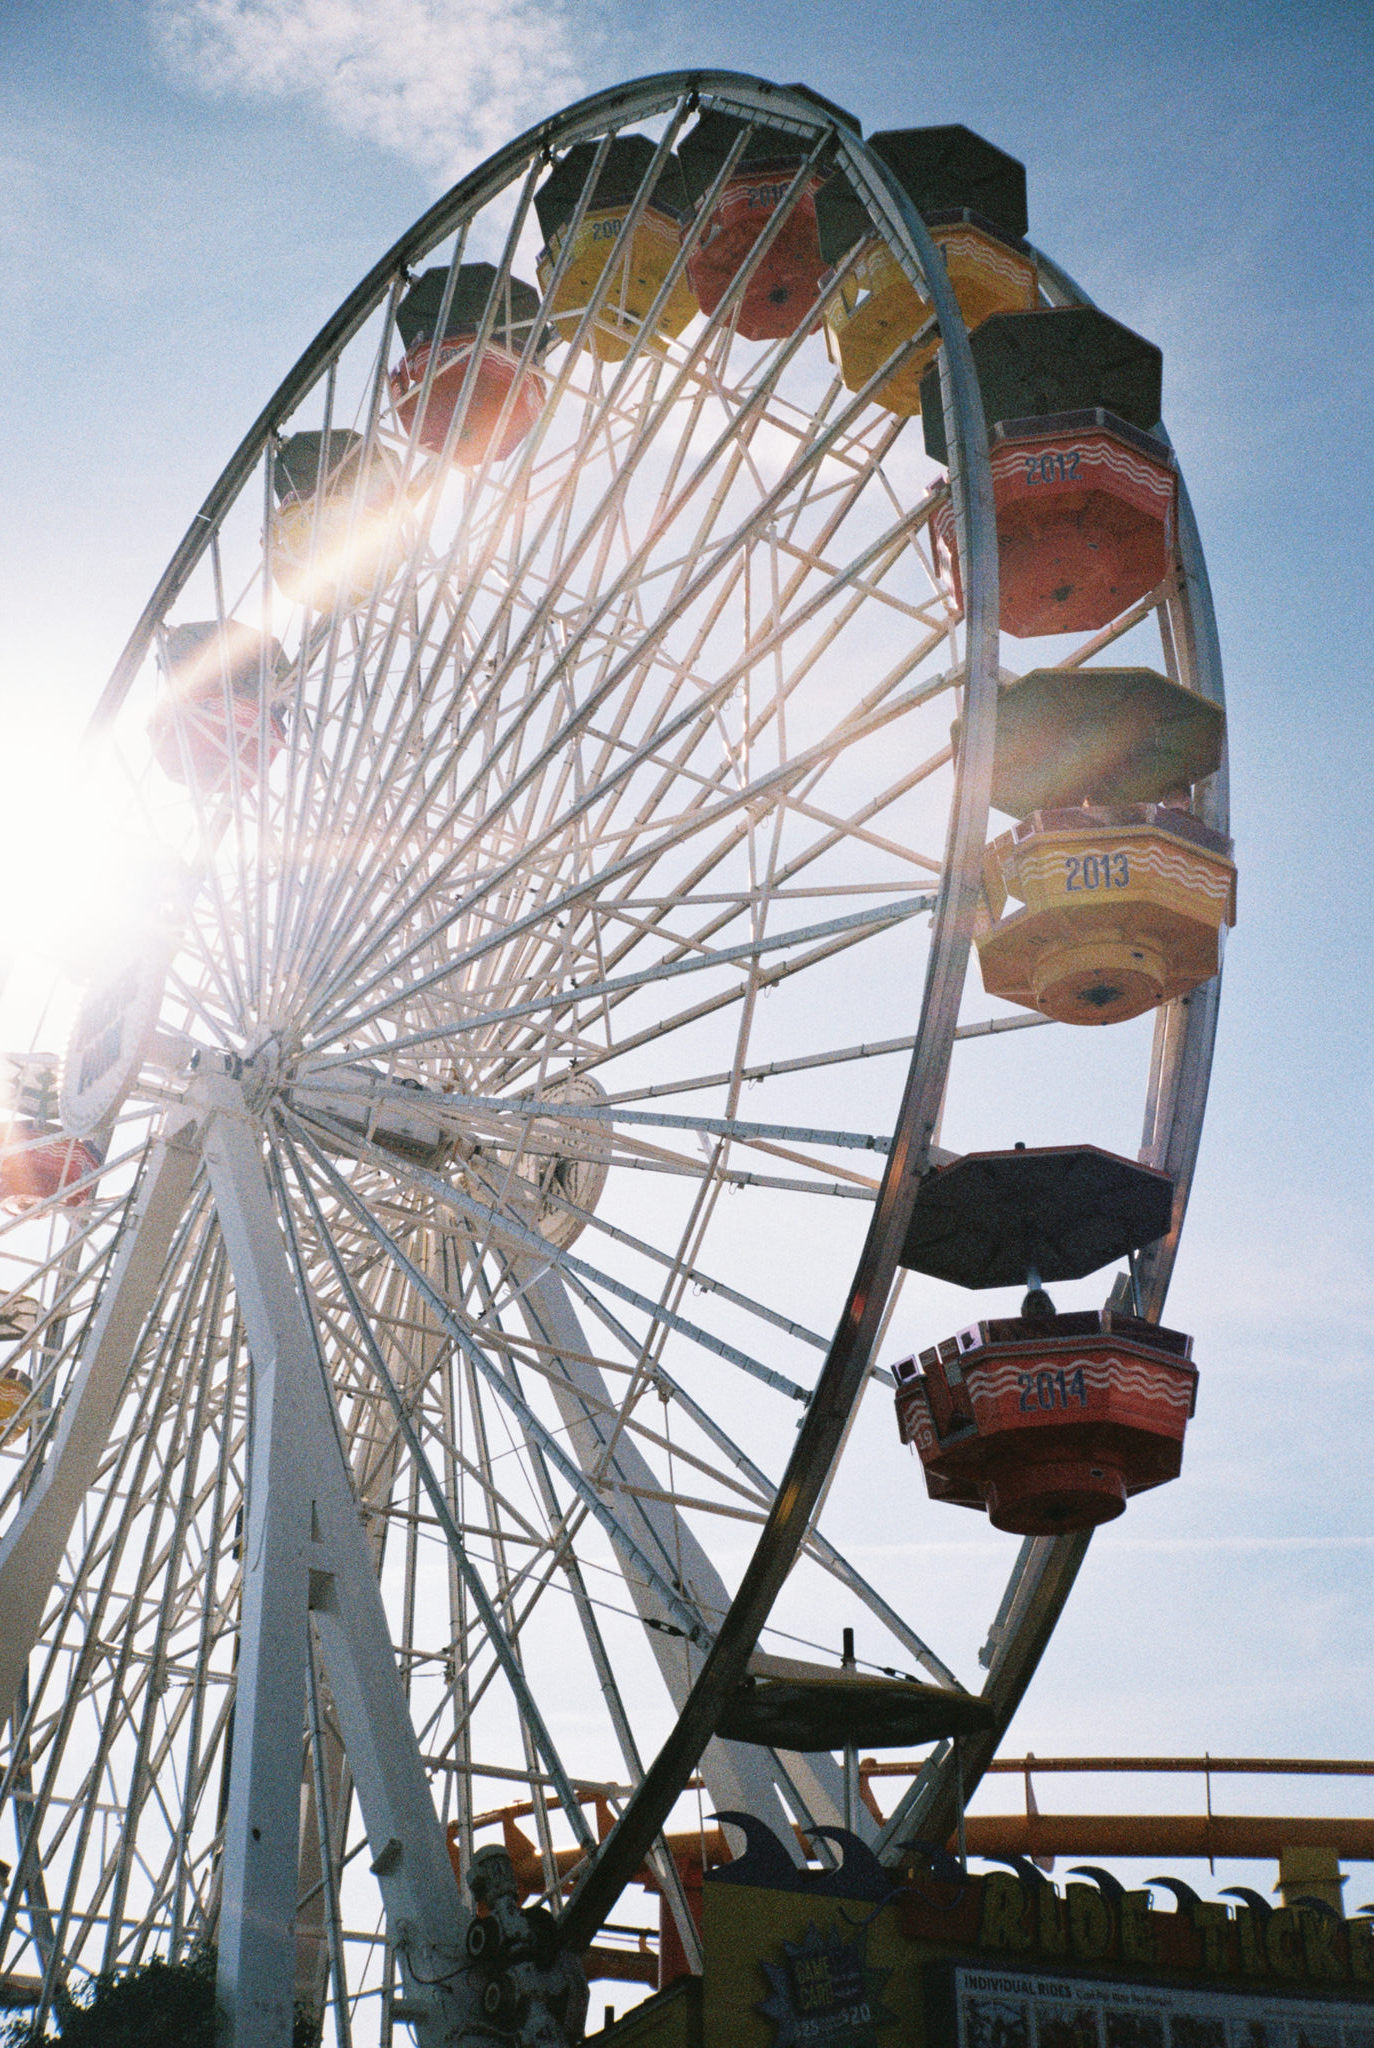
x: 439, y: 1309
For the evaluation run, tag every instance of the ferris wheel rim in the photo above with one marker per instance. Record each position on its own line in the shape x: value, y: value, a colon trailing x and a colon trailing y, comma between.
x: 1181, y: 1061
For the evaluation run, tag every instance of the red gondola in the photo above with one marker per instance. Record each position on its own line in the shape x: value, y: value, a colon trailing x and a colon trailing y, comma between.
x: 1085, y: 491
x: 38, y: 1161
x: 212, y: 706
x: 787, y: 279
x: 1050, y: 1422
x: 501, y: 405
x: 1085, y: 521
x: 15, y: 1388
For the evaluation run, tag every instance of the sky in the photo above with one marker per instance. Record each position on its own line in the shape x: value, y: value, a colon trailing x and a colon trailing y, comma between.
x: 193, y: 185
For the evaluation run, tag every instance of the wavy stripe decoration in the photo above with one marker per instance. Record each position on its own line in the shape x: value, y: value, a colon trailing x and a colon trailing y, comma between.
x: 1105, y: 464
x: 914, y: 1419
x: 1154, y: 481
x: 1165, y: 863
x: 1002, y: 263
x: 1172, y: 1386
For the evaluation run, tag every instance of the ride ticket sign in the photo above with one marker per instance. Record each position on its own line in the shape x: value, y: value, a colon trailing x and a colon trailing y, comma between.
x: 824, y: 1993
x: 1027, y: 2009
x: 929, y: 1956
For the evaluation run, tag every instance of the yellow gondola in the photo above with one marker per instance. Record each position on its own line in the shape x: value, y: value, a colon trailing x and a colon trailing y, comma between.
x: 973, y: 199
x: 642, y: 258
x: 332, y: 527
x: 1123, y: 908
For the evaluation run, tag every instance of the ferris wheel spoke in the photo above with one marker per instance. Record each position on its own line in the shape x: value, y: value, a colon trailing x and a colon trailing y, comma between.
x: 514, y: 1526
x: 507, y: 1228
x: 698, y: 584
x: 455, y: 1112
x: 678, y: 1455
x: 699, y: 1280
x: 849, y: 926
x: 789, y: 777
x: 589, y: 1056
x: 83, y: 1188
x: 147, y: 1767
x: 96, y: 1666
x: 54, y: 1738
x: 530, y: 1423
x: 663, y: 1864
x: 513, y: 871
x: 735, y: 905
x: 173, y: 1793
x: 726, y: 1764
x: 354, y: 703
x: 518, y: 574
x: 857, y: 1187
x: 503, y: 1642
x: 374, y: 1448
x: 224, y: 814
x: 817, y: 1544
x: 536, y: 922
x: 330, y: 1025
x: 768, y: 641
x: 839, y: 1056
x: 518, y: 1346
x: 37, y: 1536
x: 199, y: 1003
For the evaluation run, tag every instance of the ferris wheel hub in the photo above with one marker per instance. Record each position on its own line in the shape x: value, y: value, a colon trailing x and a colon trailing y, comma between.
x: 561, y: 1168
x: 265, y: 1070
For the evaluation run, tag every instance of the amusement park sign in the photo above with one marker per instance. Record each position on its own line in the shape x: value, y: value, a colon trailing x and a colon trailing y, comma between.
x: 1027, y: 2009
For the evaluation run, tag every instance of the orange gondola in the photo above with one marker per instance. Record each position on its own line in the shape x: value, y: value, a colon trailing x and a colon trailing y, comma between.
x: 972, y: 197
x: 332, y: 526
x: 640, y: 260
x: 1123, y: 892
x: 19, y: 1316
x: 1122, y: 908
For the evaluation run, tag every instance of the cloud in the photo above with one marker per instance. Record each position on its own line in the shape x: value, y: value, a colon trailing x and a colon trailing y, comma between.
x: 442, y: 82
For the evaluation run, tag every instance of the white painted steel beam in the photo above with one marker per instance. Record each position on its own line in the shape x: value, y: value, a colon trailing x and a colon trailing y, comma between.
x: 737, y: 1774
x: 33, y: 1545
x: 306, y: 1554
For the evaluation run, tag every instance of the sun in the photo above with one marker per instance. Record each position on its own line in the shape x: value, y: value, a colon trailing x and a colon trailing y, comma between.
x: 79, y: 874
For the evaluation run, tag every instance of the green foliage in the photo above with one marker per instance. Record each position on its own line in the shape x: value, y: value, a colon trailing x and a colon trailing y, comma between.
x: 155, y: 2005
